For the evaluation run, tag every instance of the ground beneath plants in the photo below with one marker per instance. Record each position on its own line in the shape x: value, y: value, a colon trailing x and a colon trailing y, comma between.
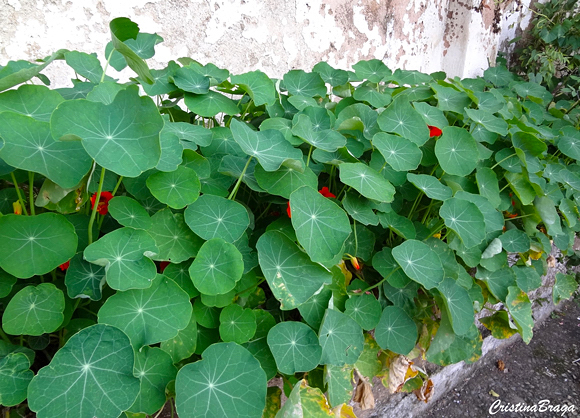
x: 547, y: 368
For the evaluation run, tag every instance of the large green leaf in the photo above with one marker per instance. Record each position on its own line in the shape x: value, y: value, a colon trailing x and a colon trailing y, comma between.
x: 148, y: 316
x: 301, y: 83
x: 92, y: 375
x: 385, y: 264
x: 217, y: 267
x: 258, y: 85
x: 84, y: 279
x: 399, y: 152
x: 227, y: 383
x: 449, y: 99
x: 520, y: 309
x: 365, y: 309
x: 216, y: 217
x: 28, y: 145
x: 488, y: 185
x: 87, y: 65
x: 457, y: 151
x: 128, y: 212
x: 430, y: 186
x: 34, y: 310
x: 341, y: 339
x: 123, y: 253
x: 37, y: 102
x: 175, y: 241
x: 402, y: 119
x: 122, y: 137
x: 35, y: 245
x: 124, y: 30
x: 339, y: 381
x: 324, y: 139
x: 569, y: 142
x: 527, y: 278
x: 321, y: 226
x: 155, y: 370
x: 458, y: 304
x: 313, y: 309
x: 465, y: 219
x: 367, y: 181
x: 400, y: 225
x: 284, y: 265
x: 184, y: 343
x: 396, y: 331
x: 269, y: 147
x: 564, y: 287
x: 15, y: 377
x: 360, y: 209
x: 294, y: 346
x: 176, y: 189
x: 285, y: 180
x: 190, y: 80
x: 237, y: 324
x: 498, y: 282
x: 515, y: 241
x: 488, y: 121
x: 210, y: 104
x: 419, y: 262
x: 306, y: 402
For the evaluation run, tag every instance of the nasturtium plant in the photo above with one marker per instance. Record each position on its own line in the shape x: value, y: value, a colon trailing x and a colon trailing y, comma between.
x: 188, y: 235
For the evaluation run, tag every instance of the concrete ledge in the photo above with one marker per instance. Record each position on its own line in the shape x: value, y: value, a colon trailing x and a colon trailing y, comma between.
x: 404, y: 405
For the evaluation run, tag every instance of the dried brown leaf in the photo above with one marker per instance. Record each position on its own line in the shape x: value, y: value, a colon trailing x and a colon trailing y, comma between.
x: 364, y: 394
x: 425, y: 392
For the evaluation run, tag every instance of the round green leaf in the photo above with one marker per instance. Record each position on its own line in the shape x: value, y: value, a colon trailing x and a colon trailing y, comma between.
x: 321, y: 226
x: 488, y: 185
x: 37, y: 102
x: 15, y: 377
x: 458, y: 304
x: 402, y: 119
x: 312, y: 311
x: 195, y: 134
x: 183, y: 344
x: 294, y: 346
x: 128, y: 212
x: 498, y: 281
x: 177, y: 188
x: 360, y: 209
x: 399, y: 152
x: 189, y: 79
x: 373, y: 70
x: 84, y: 279
x: 217, y: 217
x: 419, y: 262
x: 400, y: 225
x: 237, y: 324
x: 122, y: 137
x: 122, y: 253
x: 175, y: 241
x: 301, y: 83
x: 457, y: 151
x: 367, y: 181
x: 492, y: 217
x: 217, y: 267
x: 527, y: 278
x: 465, y: 219
x: 488, y: 121
x: 206, y: 316
x: 569, y: 142
x: 28, y: 145
x: 210, y: 104
x: 325, y: 139
x: 92, y: 375
x: 34, y: 310
x: 369, y: 94
x: 261, y: 352
x: 35, y: 245
x: 285, y: 180
x: 365, y: 309
x: 228, y: 383
x: 430, y: 186
x: 431, y: 115
x: 385, y: 264
x: 171, y: 152
x: 449, y: 99
x: 6, y: 283
x: 515, y: 241
x: 396, y: 331
x: 155, y: 370
x: 341, y: 339
x: 258, y: 85
x: 148, y: 316
x: 564, y: 287
x: 520, y: 309
x: 331, y: 75
x: 284, y: 265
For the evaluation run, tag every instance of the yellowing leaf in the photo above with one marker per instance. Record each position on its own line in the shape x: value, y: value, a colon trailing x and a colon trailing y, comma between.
x: 343, y: 411
x: 400, y: 371
x: 425, y: 392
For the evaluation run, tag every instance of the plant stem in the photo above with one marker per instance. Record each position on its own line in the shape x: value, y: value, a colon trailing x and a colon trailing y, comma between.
x: 237, y: 186
x: 355, y: 237
x: 31, y: 191
x: 107, y: 65
x: 96, y: 205
x: 376, y: 284
x: 251, y: 287
x: 309, y: 154
x: 117, y: 185
x: 4, y: 336
x: 20, y: 199
x: 501, y: 161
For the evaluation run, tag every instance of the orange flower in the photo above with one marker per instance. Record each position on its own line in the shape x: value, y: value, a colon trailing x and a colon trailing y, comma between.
x: 103, y: 205
x: 17, y: 208
x: 434, y: 131
x: 64, y: 266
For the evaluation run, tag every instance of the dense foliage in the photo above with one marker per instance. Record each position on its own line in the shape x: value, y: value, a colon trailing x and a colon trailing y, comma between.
x: 191, y: 234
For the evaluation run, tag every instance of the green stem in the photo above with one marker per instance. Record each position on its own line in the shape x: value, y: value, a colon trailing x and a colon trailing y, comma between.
x: 20, y: 199
x: 251, y: 287
x: 53, y: 275
x: 237, y: 186
x: 376, y: 284
x: 504, y: 187
x: 107, y: 65
x: 117, y: 185
x: 355, y: 237
x: 96, y: 205
x: 309, y: 154
x: 264, y: 212
x: 501, y: 161
x: 31, y: 191
x: 4, y: 336
x: 415, y: 203
x: 427, y: 211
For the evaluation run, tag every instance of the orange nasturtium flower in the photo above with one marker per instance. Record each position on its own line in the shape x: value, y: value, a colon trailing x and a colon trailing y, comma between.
x: 324, y: 192
x: 17, y: 208
x: 64, y: 266
x: 103, y: 205
x: 434, y: 131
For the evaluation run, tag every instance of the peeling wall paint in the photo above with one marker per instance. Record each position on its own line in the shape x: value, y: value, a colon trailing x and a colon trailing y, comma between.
x: 457, y: 36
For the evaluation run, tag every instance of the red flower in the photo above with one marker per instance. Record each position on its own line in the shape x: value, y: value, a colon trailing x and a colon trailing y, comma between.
x: 64, y: 266
x: 103, y: 205
x: 434, y: 131
x: 162, y: 266
x: 325, y: 192
x: 288, y: 210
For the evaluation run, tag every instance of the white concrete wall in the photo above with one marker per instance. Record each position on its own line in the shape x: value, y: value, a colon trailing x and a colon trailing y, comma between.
x: 457, y: 36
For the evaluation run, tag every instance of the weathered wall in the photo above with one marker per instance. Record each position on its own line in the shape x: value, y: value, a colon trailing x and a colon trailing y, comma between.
x: 456, y: 36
